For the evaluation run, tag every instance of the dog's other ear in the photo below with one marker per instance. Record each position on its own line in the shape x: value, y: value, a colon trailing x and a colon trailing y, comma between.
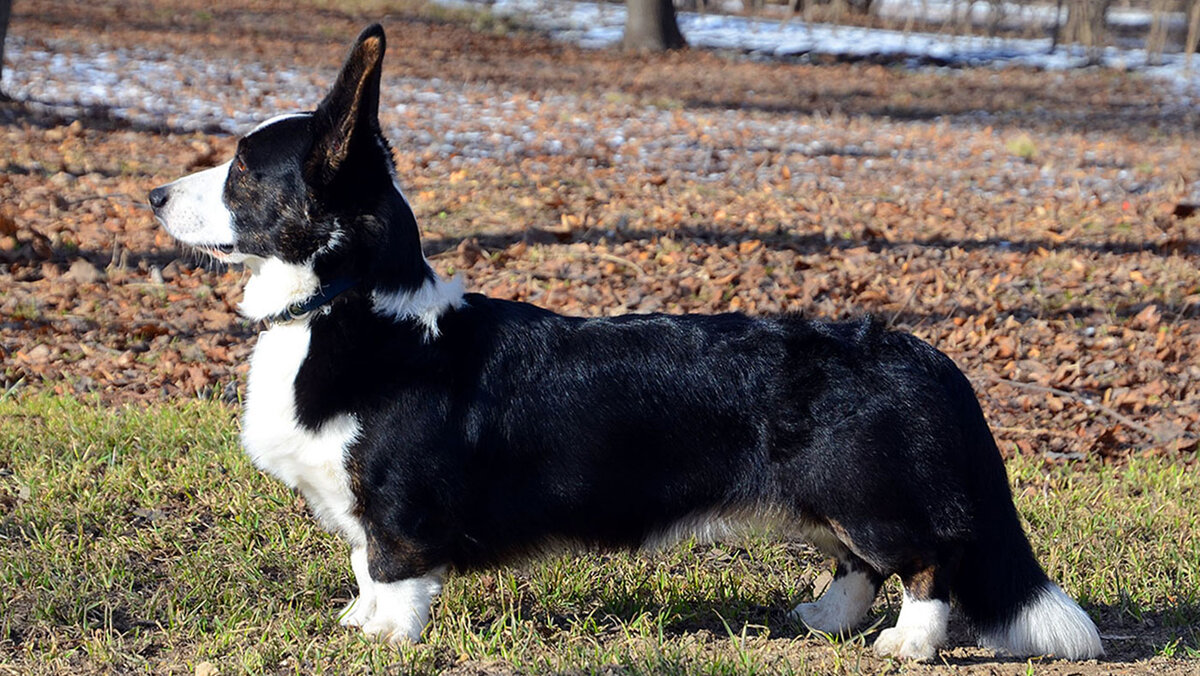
x: 349, y: 115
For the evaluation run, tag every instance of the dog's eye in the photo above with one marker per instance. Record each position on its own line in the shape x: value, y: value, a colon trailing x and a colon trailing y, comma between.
x: 239, y: 164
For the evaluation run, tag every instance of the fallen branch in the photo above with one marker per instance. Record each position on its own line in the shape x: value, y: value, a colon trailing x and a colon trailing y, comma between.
x: 1091, y: 403
x: 603, y: 256
x: 1032, y: 431
x: 620, y: 261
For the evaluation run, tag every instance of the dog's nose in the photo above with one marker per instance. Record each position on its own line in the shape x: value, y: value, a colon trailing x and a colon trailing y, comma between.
x: 158, y: 198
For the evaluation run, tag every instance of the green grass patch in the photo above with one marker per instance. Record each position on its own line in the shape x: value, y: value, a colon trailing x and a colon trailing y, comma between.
x: 141, y: 539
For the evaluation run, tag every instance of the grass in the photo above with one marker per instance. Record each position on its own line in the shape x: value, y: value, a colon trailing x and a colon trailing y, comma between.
x: 1023, y: 147
x: 141, y: 539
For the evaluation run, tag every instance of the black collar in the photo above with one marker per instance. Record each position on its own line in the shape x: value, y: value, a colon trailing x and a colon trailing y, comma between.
x: 324, y: 295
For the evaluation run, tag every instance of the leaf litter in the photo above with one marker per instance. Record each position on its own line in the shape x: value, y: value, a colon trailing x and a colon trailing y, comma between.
x: 1037, y: 227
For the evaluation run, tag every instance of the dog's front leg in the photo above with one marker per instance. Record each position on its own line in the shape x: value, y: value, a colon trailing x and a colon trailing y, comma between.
x: 402, y: 608
x: 390, y: 607
x: 359, y: 610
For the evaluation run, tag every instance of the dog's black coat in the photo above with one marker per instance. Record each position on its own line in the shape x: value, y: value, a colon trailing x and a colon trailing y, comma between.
x: 518, y: 426
x: 497, y: 429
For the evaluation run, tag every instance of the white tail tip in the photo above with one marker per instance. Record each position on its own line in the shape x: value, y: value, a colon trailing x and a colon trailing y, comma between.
x: 1049, y: 624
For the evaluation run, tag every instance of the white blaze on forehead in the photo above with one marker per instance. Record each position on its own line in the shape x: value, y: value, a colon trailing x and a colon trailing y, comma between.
x: 195, y: 212
x: 278, y: 118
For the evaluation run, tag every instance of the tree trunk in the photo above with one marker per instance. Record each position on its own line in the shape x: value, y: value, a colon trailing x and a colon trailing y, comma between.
x: 1057, y: 26
x: 1193, y: 33
x: 1086, y: 25
x: 1189, y: 46
x: 5, y: 11
x: 650, y: 26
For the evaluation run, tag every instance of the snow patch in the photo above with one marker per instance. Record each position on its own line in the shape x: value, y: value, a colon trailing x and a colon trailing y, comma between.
x: 591, y: 24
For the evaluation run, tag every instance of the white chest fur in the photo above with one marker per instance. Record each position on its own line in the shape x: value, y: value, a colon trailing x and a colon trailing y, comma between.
x: 312, y: 462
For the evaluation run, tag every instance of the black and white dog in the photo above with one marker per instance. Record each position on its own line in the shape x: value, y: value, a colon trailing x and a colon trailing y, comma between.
x: 437, y: 430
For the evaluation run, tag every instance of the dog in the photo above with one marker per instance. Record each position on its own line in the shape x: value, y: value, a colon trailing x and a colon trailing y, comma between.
x: 437, y: 430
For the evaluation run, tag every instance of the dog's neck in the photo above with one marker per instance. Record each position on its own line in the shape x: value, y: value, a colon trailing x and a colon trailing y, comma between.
x: 279, y: 291
x: 324, y: 296
x: 276, y: 285
x: 424, y: 304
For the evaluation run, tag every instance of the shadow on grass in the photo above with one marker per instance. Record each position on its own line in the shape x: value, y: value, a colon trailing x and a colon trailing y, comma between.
x: 48, y: 114
x: 1128, y: 636
x: 813, y: 243
x: 817, y: 244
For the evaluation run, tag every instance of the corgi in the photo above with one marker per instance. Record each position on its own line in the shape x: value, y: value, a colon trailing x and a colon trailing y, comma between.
x: 437, y: 430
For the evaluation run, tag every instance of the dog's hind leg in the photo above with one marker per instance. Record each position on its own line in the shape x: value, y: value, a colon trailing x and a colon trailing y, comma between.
x: 846, y: 601
x: 924, y: 617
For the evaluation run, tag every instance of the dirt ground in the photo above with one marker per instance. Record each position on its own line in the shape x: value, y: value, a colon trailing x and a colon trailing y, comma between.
x: 1037, y: 227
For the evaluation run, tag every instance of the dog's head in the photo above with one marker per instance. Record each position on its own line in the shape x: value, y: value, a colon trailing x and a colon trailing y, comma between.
x: 308, y: 200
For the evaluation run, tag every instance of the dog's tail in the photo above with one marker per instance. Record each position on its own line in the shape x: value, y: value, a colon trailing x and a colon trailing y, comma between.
x: 999, y: 584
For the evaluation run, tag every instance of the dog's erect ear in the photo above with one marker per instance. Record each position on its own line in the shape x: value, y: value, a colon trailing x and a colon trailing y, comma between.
x: 350, y: 112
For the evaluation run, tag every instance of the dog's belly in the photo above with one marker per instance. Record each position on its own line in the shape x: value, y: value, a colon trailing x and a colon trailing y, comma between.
x: 314, y: 462
x: 719, y: 525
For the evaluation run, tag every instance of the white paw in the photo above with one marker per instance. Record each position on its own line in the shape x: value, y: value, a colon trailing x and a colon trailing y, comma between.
x: 357, y: 612
x: 841, y: 607
x: 401, y: 608
x: 406, y: 628
x: 818, y: 617
x: 907, y: 643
